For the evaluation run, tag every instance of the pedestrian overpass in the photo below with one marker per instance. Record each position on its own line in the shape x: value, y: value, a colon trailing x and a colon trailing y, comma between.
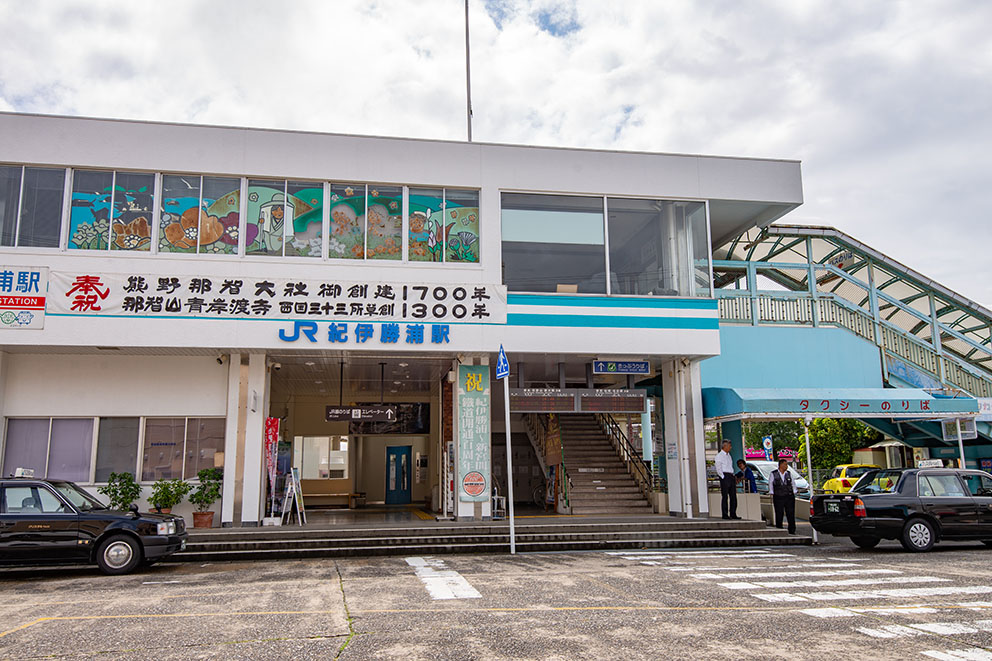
x: 812, y: 307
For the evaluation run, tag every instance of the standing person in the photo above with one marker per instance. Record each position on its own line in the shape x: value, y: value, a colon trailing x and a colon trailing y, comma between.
x: 783, y: 493
x: 746, y: 476
x: 728, y: 482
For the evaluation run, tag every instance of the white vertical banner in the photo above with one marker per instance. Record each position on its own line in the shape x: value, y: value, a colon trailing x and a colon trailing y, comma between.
x: 473, y: 433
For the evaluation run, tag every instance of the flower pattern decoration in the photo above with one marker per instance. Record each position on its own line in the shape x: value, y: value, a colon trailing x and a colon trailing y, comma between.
x: 135, y: 235
x: 335, y: 247
x: 182, y: 234
x: 92, y: 236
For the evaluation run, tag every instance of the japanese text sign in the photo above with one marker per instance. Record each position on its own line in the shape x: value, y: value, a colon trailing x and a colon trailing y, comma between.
x: 472, y: 425
x: 22, y: 297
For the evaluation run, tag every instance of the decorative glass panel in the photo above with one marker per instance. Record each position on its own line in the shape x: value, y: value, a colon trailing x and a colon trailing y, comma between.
x: 307, y: 204
x: 70, y: 449
x: 41, y: 208
x: 426, y: 223
x: 204, y: 439
x: 116, y: 446
x: 267, y: 211
x: 10, y: 197
x: 462, y: 226
x: 133, y: 200
x: 385, y: 216
x: 89, y: 216
x: 220, y: 217
x: 553, y: 243
x: 347, y: 236
x: 26, y: 445
x: 179, y: 216
x: 163, y: 449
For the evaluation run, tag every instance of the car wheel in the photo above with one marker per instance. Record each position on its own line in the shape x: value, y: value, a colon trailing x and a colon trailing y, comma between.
x: 119, y: 554
x: 918, y: 535
x: 866, y: 542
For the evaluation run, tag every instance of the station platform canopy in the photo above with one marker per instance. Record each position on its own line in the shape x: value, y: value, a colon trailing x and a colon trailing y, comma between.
x: 729, y: 404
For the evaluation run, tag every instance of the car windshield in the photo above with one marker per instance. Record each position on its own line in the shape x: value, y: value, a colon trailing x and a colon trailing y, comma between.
x: 877, y: 481
x: 857, y: 471
x: 79, y: 498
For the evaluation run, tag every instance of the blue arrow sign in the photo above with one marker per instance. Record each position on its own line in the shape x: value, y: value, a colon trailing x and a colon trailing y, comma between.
x: 502, y: 364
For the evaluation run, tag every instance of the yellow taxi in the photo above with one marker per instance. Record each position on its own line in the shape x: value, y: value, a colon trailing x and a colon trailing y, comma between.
x: 843, y: 477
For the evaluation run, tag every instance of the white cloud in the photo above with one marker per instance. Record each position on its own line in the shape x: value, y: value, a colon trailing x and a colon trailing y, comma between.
x: 887, y: 104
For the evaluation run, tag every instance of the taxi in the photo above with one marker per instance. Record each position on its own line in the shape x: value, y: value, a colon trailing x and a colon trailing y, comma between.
x: 844, y: 476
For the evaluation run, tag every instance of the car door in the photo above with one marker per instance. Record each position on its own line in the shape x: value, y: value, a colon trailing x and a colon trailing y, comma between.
x: 38, y: 525
x: 945, y: 498
x: 980, y: 487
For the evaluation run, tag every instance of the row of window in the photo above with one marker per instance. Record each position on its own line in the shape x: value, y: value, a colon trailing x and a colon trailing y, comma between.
x: 88, y: 450
x: 183, y: 213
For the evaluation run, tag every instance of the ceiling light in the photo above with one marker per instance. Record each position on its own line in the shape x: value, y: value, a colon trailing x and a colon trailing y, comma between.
x: 309, y: 363
x: 396, y: 383
x: 404, y: 364
x: 318, y: 382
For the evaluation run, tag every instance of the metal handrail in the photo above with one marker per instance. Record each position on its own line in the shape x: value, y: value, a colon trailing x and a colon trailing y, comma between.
x: 635, y: 464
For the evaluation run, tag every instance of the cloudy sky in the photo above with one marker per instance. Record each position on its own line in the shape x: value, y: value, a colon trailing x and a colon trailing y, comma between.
x: 888, y: 104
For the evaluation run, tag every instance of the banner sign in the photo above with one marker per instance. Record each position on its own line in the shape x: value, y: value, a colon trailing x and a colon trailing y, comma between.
x: 22, y: 297
x: 472, y: 431
x: 221, y: 297
x: 271, y: 451
x: 621, y: 367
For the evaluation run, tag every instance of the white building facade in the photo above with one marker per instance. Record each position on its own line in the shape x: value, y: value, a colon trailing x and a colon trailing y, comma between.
x: 168, y: 289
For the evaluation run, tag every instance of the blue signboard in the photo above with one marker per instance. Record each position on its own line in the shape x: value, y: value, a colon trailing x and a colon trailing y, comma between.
x: 502, y: 364
x: 621, y: 367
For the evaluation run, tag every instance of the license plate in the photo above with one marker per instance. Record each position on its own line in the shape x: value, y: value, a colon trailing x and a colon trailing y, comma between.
x: 182, y: 545
x: 833, y: 507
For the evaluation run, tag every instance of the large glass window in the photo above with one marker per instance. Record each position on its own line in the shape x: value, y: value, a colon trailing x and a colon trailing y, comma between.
x: 267, y: 211
x: 133, y: 204
x: 347, y: 235
x: 385, y: 221
x: 307, y: 231
x: 163, y: 449
x: 10, y: 200
x: 462, y: 237
x: 89, y: 215
x: 116, y: 447
x: 111, y: 208
x: 204, y: 441
x: 321, y: 457
x: 426, y: 216
x: 553, y: 243
x: 41, y: 208
x: 200, y: 214
x: 58, y: 449
x: 650, y: 243
x: 443, y: 225
x: 220, y: 217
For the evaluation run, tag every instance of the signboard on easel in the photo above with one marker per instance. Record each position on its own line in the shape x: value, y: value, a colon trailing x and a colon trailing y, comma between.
x: 293, y: 499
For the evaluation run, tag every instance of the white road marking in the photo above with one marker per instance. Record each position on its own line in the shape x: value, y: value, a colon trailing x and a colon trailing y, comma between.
x: 158, y: 582
x: 441, y: 582
x: 926, y: 628
x: 960, y: 655
x: 692, y: 553
x: 861, y: 595
x: 778, y: 585
x: 800, y: 574
x: 835, y: 611
x: 708, y: 557
x: 976, y: 605
x: 827, y: 565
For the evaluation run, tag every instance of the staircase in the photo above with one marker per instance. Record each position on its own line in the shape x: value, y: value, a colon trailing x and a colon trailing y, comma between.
x: 600, y: 481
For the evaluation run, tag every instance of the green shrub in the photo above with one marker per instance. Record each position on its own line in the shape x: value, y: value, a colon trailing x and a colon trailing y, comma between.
x: 122, y: 490
x: 166, y: 494
x: 208, y: 491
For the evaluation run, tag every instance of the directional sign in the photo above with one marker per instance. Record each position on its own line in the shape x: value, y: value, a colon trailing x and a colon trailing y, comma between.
x: 502, y: 364
x: 621, y: 367
x: 383, y: 413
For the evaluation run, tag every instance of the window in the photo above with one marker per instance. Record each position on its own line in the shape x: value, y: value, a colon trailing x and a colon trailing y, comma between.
x: 307, y: 230
x: 941, y: 486
x: 978, y: 485
x: 111, y: 209
x: 116, y: 447
x: 58, y: 448
x: 553, y: 243
x: 204, y: 442
x: 200, y: 214
x: 443, y: 225
x: 347, y: 235
x: 30, y: 500
x: 321, y: 457
x: 34, y: 197
x: 180, y: 447
x: 385, y: 222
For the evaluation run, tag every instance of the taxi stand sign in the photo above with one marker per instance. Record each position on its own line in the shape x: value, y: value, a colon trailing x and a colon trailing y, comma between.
x: 503, y: 372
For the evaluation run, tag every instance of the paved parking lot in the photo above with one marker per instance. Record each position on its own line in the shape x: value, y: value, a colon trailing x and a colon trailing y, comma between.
x: 823, y: 602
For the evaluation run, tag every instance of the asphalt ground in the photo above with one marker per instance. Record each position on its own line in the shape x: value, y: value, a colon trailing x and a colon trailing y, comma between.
x: 823, y: 602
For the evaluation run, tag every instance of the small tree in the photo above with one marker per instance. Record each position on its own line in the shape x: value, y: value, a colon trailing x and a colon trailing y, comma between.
x: 122, y: 490
x: 166, y: 494
x: 208, y: 491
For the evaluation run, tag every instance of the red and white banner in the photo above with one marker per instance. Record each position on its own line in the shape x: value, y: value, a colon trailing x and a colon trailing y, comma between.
x: 271, y: 450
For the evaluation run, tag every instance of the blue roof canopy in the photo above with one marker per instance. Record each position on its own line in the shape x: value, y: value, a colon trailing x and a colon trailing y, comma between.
x: 726, y: 404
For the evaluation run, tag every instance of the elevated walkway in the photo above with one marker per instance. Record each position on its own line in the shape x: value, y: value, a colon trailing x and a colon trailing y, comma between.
x: 927, y: 336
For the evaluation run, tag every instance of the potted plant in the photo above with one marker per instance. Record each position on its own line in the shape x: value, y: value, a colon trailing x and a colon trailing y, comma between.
x: 205, y: 495
x: 166, y: 494
x: 122, y: 490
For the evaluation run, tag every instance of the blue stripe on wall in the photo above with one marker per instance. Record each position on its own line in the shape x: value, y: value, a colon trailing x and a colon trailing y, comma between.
x: 587, y: 321
x: 612, y: 301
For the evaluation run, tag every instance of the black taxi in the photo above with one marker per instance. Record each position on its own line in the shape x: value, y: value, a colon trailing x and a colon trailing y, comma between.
x: 52, y: 521
x: 917, y: 506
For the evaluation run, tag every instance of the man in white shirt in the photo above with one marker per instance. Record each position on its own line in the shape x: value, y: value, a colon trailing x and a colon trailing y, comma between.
x: 728, y: 482
x: 783, y: 492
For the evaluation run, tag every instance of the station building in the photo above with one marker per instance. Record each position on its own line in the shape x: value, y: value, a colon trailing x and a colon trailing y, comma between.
x: 170, y: 292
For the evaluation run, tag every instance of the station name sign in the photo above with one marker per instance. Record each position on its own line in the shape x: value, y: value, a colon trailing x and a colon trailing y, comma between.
x: 22, y: 297
x: 224, y: 297
x: 384, y: 413
x: 577, y: 400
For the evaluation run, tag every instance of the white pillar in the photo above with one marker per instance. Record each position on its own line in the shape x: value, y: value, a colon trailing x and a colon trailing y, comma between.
x: 696, y: 437
x: 231, y: 440
x: 252, y: 491
x: 673, y: 432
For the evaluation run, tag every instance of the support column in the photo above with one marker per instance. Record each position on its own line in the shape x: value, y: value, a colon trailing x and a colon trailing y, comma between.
x: 734, y: 432
x: 684, y: 442
x: 253, y: 494
x: 696, y: 438
x: 231, y: 440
